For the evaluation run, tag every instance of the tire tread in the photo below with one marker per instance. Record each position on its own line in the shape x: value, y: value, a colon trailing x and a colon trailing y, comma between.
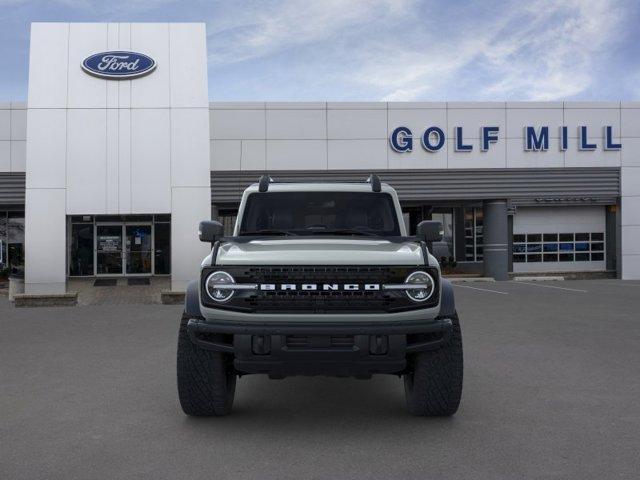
x: 434, y: 387
x: 206, y: 386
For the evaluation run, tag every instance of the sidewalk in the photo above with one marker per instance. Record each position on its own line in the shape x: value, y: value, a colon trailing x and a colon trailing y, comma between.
x: 121, y: 293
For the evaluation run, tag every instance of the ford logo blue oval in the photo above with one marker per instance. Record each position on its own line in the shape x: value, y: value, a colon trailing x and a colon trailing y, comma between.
x: 118, y: 65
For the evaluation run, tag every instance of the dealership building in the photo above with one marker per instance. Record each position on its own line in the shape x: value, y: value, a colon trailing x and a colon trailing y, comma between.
x: 118, y: 153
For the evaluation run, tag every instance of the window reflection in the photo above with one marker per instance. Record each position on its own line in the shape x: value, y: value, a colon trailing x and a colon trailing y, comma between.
x: 12, y: 241
x: 573, y: 247
x: 445, y: 247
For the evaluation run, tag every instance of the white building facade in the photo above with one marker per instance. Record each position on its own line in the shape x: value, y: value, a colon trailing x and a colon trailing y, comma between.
x: 110, y: 177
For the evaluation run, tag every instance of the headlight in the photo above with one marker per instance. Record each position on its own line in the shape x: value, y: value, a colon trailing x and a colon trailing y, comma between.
x: 425, y: 289
x: 218, y: 286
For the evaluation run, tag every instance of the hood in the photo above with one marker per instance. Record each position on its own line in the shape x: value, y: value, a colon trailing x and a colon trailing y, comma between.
x: 320, y: 251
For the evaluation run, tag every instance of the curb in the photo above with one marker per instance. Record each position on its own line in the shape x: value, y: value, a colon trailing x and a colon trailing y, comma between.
x: 549, y: 278
x: 470, y: 279
x: 22, y: 300
x: 171, y: 298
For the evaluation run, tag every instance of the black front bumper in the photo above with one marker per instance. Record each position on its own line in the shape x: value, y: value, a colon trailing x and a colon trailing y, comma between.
x: 284, y: 349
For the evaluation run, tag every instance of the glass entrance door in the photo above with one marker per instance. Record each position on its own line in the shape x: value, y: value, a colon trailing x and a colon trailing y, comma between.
x: 124, y: 249
x: 139, y: 244
x: 109, y: 256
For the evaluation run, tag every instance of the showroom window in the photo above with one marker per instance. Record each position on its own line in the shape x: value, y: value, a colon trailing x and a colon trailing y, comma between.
x: 12, y: 241
x: 445, y: 248
x: 228, y: 219
x: 162, y: 244
x: 81, y: 249
x: 473, y: 234
x: 558, y: 247
x: 413, y: 214
x: 3, y: 241
x: 115, y: 245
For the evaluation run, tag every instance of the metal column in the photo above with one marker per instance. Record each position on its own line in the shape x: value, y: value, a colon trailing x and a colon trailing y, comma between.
x: 496, y: 239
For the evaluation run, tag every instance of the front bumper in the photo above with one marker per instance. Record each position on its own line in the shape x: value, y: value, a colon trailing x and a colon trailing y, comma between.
x: 317, y: 348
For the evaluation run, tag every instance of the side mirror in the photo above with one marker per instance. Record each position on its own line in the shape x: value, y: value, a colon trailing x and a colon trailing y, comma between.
x: 430, y: 231
x: 210, y: 230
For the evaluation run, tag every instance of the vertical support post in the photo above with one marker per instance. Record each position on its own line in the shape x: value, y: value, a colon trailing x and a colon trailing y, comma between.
x: 618, y: 245
x: 610, y: 237
x: 509, y: 243
x: 458, y: 231
x: 190, y: 205
x: 496, y: 239
x: 45, y: 241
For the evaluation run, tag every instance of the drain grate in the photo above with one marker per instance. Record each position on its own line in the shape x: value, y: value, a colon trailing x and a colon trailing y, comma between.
x: 138, y: 281
x: 105, y: 282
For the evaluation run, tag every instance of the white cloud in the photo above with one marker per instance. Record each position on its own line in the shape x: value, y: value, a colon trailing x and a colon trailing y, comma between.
x: 554, y: 53
x: 250, y: 33
x: 404, y: 50
x: 423, y: 74
x: 544, y: 52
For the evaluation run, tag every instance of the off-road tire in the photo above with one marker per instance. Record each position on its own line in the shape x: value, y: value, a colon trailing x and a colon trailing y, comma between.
x: 433, y: 385
x: 206, y: 380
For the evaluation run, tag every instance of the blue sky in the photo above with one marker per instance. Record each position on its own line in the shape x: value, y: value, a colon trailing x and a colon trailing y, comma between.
x: 378, y: 49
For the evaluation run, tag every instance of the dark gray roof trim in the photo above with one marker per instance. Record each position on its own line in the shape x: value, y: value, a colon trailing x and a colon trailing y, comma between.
x: 12, y: 189
x: 554, y: 186
x: 523, y: 186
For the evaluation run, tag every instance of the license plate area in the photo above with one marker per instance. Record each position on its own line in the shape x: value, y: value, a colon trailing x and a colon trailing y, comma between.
x: 319, y: 342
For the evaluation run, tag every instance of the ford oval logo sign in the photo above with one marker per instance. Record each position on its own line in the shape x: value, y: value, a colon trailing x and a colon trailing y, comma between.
x: 118, y: 65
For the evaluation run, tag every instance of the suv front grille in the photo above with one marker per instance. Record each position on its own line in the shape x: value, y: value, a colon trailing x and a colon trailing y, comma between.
x: 319, y: 301
x: 318, y: 274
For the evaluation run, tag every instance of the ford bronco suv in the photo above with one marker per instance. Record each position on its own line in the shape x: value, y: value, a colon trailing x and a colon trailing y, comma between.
x: 320, y: 279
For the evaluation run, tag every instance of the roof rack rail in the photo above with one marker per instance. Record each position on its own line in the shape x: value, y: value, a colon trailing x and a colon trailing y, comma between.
x: 374, y: 180
x: 263, y: 183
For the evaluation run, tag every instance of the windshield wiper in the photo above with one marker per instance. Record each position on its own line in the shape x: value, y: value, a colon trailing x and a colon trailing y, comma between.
x: 348, y: 231
x: 267, y: 232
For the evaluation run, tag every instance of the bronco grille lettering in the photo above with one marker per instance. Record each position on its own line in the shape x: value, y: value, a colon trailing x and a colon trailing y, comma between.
x: 346, y: 287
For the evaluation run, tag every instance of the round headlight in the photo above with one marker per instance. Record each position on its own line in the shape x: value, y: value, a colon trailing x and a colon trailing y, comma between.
x: 427, y: 286
x: 221, y: 279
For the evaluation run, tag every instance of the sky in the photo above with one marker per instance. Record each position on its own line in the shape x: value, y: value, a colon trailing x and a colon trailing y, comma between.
x: 388, y: 50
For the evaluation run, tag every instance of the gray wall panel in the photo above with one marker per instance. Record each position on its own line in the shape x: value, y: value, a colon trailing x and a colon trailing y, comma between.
x: 526, y: 186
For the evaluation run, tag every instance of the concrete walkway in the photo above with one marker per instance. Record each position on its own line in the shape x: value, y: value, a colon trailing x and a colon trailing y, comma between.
x: 120, y: 294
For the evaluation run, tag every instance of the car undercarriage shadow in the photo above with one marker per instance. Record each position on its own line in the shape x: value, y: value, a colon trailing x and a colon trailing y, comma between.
x: 334, y: 405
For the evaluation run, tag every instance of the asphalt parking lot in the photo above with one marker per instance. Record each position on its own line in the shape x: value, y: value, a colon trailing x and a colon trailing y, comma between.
x: 552, y: 390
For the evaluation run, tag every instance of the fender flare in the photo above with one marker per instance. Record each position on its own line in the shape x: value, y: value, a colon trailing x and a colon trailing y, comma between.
x: 192, y: 300
x: 448, y: 302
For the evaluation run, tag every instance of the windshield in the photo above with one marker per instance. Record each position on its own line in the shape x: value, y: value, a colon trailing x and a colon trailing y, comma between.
x: 320, y: 213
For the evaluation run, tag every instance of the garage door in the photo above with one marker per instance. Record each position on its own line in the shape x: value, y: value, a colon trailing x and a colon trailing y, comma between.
x: 559, y: 239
